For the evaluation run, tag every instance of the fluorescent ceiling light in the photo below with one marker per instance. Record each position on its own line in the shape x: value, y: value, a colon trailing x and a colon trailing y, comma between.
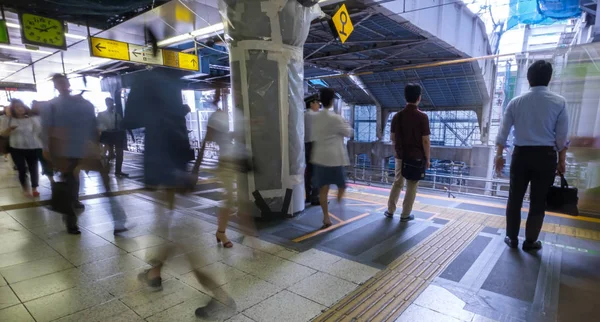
x: 73, y: 36
x: 13, y: 25
x: 68, y: 35
x: 25, y: 49
x: 206, y: 31
x: 14, y: 63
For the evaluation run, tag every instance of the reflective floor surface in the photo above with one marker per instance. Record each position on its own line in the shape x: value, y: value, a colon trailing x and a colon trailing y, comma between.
x: 448, y: 265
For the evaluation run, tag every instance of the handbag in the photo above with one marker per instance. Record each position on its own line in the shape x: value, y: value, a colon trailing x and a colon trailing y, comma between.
x: 563, y: 199
x: 62, y: 198
x: 5, y: 140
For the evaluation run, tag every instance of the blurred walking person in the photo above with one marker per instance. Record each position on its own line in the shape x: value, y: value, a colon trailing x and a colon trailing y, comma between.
x: 541, y: 126
x: 155, y: 103
x: 312, y: 109
x: 23, y: 130
x: 232, y: 161
x: 329, y: 155
x: 410, y: 136
x: 36, y: 109
x: 70, y: 138
x: 112, y: 135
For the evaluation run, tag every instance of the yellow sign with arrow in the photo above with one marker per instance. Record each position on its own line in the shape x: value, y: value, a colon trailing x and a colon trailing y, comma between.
x: 113, y: 49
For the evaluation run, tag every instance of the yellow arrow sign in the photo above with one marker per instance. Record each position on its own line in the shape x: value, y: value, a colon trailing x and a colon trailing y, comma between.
x: 343, y: 24
x: 188, y: 61
x: 113, y: 49
x: 107, y: 48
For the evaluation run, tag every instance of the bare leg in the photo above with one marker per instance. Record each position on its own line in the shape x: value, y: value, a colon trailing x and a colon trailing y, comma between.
x: 323, y: 193
x: 340, y: 195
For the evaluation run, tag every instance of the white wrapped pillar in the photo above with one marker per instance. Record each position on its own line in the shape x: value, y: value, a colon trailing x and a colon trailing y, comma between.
x: 266, y: 40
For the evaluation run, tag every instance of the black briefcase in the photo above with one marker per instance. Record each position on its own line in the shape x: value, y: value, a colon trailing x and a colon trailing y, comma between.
x: 62, y: 199
x: 563, y: 199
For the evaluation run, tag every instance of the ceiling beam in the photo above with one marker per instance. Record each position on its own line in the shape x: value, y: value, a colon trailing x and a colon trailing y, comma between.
x: 363, y: 42
x: 362, y: 50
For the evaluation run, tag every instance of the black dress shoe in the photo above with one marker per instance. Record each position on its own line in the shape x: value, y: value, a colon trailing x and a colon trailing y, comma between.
x: 122, y: 174
x: 120, y: 230
x: 512, y: 243
x: 388, y: 214
x: 79, y: 205
x: 73, y: 231
x: 528, y: 245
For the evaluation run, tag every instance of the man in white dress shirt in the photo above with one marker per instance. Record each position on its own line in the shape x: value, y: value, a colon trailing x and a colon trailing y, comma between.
x: 329, y: 155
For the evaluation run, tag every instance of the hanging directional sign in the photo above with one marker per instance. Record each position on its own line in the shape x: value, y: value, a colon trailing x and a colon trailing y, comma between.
x: 113, y: 49
x: 188, y: 61
x: 342, y: 24
x: 107, y: 48
x: 142, y: 54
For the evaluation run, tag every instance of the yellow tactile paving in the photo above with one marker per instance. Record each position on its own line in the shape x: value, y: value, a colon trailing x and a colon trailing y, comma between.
x: 489, y: 220
x: 385, y: 296
x: 389, y: 293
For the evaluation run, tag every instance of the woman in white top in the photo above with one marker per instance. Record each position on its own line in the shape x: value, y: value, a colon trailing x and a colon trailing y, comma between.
x: 329, y: 155
x: 24, y: 130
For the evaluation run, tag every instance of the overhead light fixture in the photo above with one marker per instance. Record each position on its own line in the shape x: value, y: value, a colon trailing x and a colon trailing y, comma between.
x: 68, y: 35
x: 25, y: 49
x: 203, y: 32
x: 73, y: 36
x: 13, y: 25
x: 14, y: 63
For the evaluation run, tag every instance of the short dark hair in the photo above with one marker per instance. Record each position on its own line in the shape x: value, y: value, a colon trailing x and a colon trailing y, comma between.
x: 58, y: 76
x: 327, y: 95
x: 539, y: 73
x: 412, y: 92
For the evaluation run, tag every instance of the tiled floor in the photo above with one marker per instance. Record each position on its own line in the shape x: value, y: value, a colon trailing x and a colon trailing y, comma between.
x: 448, y: 265
x: 48, y: 275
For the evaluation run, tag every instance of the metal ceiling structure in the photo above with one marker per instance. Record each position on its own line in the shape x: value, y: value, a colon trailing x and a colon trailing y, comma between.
x: 381, y: 43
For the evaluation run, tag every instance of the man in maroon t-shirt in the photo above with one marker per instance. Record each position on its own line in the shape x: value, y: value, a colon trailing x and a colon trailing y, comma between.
x: 410, y: 136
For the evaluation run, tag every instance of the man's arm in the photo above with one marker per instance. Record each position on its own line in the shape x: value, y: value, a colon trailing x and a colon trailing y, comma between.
x: 507, y: 124
x: 562, y: 144
x: 426, y: 149
x: 344, y: 128
x: 426, y: 140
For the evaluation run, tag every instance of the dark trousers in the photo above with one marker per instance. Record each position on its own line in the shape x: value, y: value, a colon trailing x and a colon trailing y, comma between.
x: 311, y: 191
x: 115, y: 142
x: 117, y: 150
x: 535, y: 165
x: 72, y: 181
x: 26, y: 159
x: 46, y: 166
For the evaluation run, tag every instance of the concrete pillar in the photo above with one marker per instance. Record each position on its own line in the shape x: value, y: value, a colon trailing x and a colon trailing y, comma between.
x: 267, y: 74
x: 481, y: 165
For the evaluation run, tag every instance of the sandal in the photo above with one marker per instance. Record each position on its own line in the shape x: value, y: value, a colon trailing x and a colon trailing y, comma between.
x: 226, y: 244
x: 325, y: 226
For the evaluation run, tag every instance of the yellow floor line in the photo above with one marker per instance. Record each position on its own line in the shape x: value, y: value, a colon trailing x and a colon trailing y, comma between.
x: 332, y: 227
x: 335, y: 217
x: 473, y: 202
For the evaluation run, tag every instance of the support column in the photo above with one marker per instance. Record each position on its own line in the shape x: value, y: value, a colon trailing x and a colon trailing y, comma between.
x: 267, y: 74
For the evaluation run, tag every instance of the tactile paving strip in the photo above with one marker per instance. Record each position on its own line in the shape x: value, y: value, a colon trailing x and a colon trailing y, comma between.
x: 385, y: 296
x: 481, y: 218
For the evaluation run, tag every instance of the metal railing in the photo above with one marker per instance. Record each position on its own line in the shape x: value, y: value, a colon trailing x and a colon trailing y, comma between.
x: 450, y: 183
